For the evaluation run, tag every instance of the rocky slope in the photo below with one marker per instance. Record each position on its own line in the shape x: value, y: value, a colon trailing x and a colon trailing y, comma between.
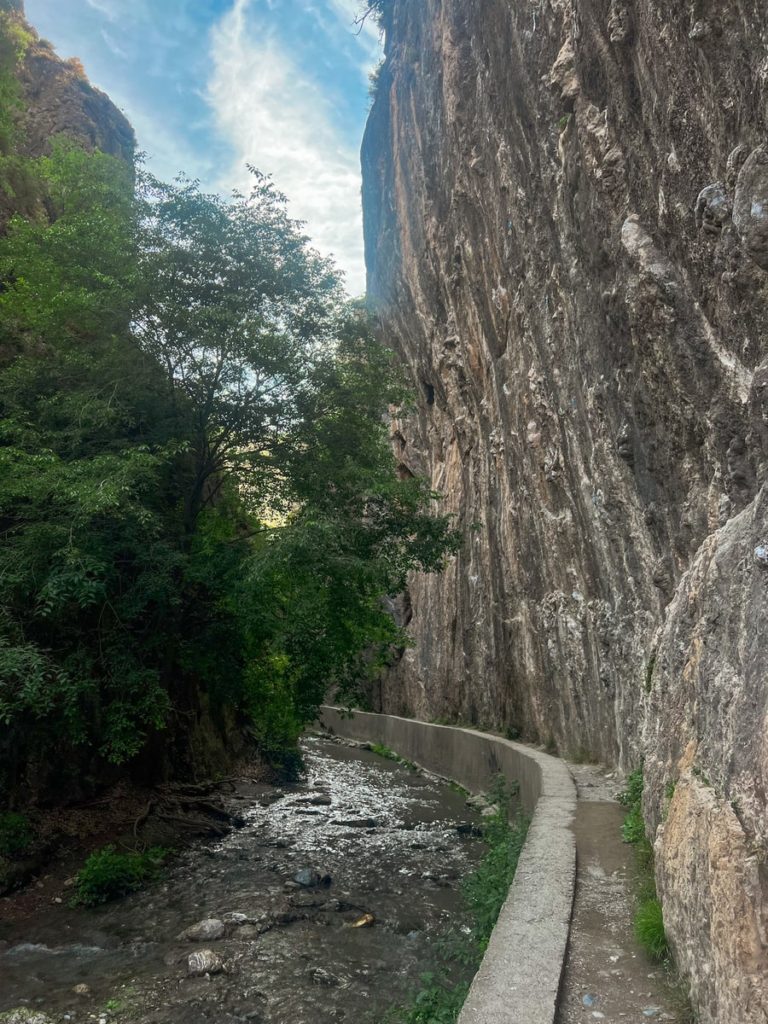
x: 566, y: 208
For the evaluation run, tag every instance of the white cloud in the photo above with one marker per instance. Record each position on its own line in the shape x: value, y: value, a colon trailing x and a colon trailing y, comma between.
x: 279, y: 119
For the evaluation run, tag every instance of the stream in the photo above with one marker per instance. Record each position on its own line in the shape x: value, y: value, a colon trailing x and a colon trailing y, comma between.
x: 330, y: 900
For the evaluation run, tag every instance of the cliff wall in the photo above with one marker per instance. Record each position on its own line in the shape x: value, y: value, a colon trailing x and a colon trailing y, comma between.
x: 566, y: 212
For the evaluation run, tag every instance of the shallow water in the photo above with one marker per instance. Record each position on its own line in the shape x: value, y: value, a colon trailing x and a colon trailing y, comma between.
x: 385, y: 835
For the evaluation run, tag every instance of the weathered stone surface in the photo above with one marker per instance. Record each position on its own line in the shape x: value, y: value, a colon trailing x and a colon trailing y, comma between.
x: 582, y: 349
x: 707, y: 737
x: 750, y: 210
x: 204, y: 961
x: 565, y: 244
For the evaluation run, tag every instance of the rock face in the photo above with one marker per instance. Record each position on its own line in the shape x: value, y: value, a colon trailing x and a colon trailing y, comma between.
x: 706, y: 769
x: 57, y: 99
x: 566, y: 211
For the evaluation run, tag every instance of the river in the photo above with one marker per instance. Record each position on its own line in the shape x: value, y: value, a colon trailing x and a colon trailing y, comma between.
x: 332, y: 897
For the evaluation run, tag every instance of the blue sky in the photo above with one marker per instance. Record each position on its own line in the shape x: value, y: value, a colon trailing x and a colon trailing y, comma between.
x: 210, y: 85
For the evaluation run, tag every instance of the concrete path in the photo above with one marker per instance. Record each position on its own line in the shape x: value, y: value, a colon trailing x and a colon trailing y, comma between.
x: 607, y: 975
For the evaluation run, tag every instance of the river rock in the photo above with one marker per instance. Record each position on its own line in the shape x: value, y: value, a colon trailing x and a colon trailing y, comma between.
x: 203, y: 961
x: 320, y: 976
x: 23, y: 1015
x: 309, y: 878
x: 204, y: 931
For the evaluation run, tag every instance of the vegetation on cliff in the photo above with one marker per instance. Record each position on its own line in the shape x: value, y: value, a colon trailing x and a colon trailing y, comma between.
x: 198, y: 504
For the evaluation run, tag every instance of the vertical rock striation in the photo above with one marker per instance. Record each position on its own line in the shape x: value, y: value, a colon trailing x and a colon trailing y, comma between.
x: 566, y: 212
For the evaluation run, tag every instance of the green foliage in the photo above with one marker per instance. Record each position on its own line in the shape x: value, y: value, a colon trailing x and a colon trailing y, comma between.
x: 197, y: 492
x: 15, y: 834
x: 649, y: 929
x: 108, y: 874
x: 436, y: 1002
x: 633, y: 827
x: 374, y: 80
x: 390, y: 755
x: 442, y: 995
x: 649, y: 923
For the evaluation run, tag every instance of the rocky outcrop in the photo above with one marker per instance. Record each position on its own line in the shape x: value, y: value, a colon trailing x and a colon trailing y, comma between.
x: 54, y: 100
x: 566, y: 209
x: 706, y: 770
x: 57, y: 99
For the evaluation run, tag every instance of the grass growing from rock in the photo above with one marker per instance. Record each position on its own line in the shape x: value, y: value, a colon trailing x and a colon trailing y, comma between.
x: 649, y: 919
x: 649, y: 929
x: 441, y: 997
x: 109, y: 874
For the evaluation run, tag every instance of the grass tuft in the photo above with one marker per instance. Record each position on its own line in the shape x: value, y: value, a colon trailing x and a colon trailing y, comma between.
x: 649, y: 929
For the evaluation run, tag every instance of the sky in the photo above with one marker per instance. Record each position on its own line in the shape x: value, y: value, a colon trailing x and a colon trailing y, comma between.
x: 213, y: 85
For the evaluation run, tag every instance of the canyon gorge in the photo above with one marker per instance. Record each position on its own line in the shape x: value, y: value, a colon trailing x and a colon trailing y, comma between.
x: 566, y: 219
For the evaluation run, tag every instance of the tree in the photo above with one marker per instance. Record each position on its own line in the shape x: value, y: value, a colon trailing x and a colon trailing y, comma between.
x: 198, y: 505
x: 236, y: 307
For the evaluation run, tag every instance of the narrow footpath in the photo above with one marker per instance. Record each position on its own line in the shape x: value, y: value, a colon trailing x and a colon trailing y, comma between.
x: 608, y: 977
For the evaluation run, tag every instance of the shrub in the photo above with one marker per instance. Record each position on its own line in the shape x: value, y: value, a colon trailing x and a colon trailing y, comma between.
x: 649, y: 929
x: 109, y: 874
x: 15, y: 835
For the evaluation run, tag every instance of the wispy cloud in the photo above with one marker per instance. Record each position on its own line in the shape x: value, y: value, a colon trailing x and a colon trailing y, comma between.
x: 277, y: 116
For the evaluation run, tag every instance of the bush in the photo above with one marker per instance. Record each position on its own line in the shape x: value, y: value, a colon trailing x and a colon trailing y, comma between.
x: 108, y: 874
x: 649, y: 929
x: 15, y: 835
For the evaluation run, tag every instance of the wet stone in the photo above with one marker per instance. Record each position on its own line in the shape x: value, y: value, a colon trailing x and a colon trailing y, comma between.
x: 204, y: 931
x: 204, y: 961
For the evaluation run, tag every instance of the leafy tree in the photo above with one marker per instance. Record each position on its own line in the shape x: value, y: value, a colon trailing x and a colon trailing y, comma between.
x: 86, y: 568
x: 198, y: 502
x: 235, y: 307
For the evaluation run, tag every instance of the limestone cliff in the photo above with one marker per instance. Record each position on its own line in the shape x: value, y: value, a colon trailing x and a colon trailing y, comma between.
x: 566, y: 211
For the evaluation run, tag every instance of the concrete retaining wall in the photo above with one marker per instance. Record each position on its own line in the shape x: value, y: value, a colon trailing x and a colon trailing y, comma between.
x: 519, y: 977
